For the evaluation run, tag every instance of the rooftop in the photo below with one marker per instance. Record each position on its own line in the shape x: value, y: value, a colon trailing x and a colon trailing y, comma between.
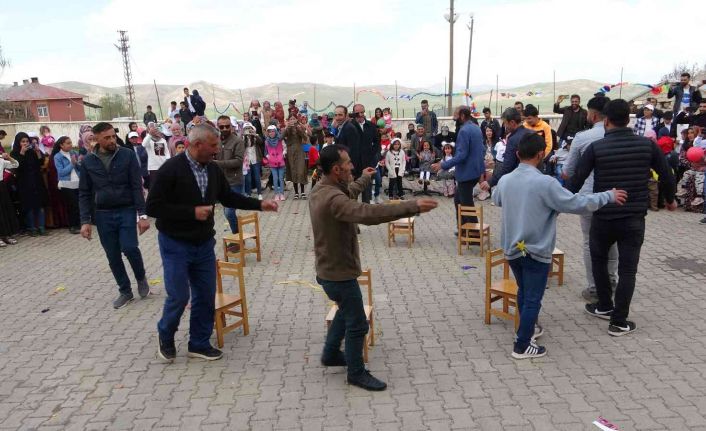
x: 33, y: 90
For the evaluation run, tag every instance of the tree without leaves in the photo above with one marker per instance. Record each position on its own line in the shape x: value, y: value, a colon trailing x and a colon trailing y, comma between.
x: 693, y: 69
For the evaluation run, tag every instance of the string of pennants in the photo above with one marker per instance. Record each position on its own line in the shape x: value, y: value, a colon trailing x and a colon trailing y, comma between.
x: 654, y: 89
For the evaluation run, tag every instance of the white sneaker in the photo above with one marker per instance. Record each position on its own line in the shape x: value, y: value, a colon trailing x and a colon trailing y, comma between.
x: 259, y: 197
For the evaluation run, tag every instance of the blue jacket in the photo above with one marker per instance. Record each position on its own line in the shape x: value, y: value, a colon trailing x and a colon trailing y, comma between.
x: 118, y: 187
x: 510, y: 161
x: 141, y: 154
x: 469, y: 158
x: 63, y: 167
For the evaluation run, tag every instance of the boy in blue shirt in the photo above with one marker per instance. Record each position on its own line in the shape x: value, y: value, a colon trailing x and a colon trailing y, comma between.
x: 530, y: 203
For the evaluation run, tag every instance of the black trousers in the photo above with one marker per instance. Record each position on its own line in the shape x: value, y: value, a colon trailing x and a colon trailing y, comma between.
x: 464, y: 197
x: 70, y: 197
x: 629, y: 233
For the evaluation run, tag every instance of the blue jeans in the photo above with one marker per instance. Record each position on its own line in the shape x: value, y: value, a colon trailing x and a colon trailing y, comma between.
x: 117, y: 230
x: 531, y: 277
x: 557, y: 171
x: 378, y: 181
x: 32, y: 216
x: 278, y: 180
x: 253, y: 179
x: 230, y: 212
x: 189, y: 272
x: 349, y: 323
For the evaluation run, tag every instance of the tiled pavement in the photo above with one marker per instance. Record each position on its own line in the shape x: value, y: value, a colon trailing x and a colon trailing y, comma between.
x: 82, y: 365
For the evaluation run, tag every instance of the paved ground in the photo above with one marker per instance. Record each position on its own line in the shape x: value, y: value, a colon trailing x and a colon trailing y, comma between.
x: 82, y: 365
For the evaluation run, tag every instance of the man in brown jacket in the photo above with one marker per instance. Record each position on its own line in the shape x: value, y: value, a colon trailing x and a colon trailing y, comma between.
x: 230, y: 159
x: 334, y: 212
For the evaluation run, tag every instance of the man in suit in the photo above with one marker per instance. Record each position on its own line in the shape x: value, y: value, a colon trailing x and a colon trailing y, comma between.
x: 361, y: 139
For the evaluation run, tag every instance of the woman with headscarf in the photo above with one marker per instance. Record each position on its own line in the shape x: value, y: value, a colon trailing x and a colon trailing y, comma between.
x: 252, y: 157
x: 177, y: 136
x: 83, y: 132
x: 295, y: 136
x: 317, y: 130
x: 9, y: 225
x: 198, y: 103
x: 279, y: 115
x: 30, y: 185
x: 65, y: 161
x: 57, y: 214
x: 267, y: 114
x: 156, y: 147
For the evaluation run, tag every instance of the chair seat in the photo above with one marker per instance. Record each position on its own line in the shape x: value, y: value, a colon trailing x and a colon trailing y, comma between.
x: 403, y: 222
x: 474, y: 226
x: 507, y: 287
x: 334, y: 308
x: 234, y: 237
x: 557, y: 252
x: 224, y: 300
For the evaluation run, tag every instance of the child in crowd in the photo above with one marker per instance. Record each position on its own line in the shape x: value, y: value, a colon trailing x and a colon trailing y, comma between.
x: 499, y: 151
x: 313, y: 164
x: 46, y: 139
x: 449, y: 183
x: 328, y: 139
x: 179, y: 147
x: 426, y: 158
x: 276, y: 151
x: 395, y: 162
x: 559, y: 158
x: 528, y: 232
x: 387, y: 116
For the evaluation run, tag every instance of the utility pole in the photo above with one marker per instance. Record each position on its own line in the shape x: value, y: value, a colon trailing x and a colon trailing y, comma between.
x: 470, y: 50
x: 451, y: 18
x: 129, y: 89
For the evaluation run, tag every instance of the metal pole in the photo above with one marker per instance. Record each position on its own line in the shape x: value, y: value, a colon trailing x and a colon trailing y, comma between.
x: 397, y: 106
x: 468, y: 70
x: 452, y: 19
x: 496, y: 94
x: 278, y: 93
x: 242, y: 102
x: 159, y: 103
x: 554, y: 94
x: 620, y: 89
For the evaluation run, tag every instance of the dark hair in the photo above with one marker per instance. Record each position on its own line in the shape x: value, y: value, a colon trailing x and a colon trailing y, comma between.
x: 618, y: 112
x: 511, y: 114
x: 521, y: 104
x: 670, y: 115
x: 101, y: 127
x: 2, y: 132
x: 575, y: 96
x: 465, y: 111
x: 398, y: 135
x: 376, y: 112
x: 425, y: 101
x: 531, y: 111
x: 223, y: 117
x: 129, y: 126
x: 597, y: 103
x: 486, y: 110
x: 328, y: 134
x: 687, y: 74
x: 185, y: 88
x: 57, y: 145
x: 149, y: 106
x: 173, y: 102
x: 143, y: 134
x: 330, y: 156
x: 345, y: 109
x: 182, y: 103
x: 530, y: 145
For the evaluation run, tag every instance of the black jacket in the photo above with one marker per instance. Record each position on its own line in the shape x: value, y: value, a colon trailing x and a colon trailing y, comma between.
x: 118, y: 187
x: 623, y: 160
x: 567, y: 113
x: 691, y: 120
x: 149, y: 116
x: 198, y: 103
x: 175, y: 194
x: 186, y: 116
x: 510, y: 160
x: 678, y: 91
x: 363, y: 145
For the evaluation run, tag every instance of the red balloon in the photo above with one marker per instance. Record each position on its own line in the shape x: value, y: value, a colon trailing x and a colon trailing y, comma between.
x: 695, y: 154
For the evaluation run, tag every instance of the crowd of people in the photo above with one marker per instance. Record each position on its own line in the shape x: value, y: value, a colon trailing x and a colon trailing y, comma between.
x: 176, y: 170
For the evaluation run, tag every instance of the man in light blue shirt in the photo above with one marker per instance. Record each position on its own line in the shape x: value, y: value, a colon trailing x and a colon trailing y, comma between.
x: 530, y: 203
x: 578, y: 146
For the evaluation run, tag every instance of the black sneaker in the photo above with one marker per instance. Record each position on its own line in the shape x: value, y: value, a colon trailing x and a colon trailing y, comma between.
x: 593, y: 310
x: 210, y: 353
x: 166, y: 351
x: 620, y: 329
x: 366, y: 381
x: 702, y: 221
x: 532, y: 351
x: 337, y: 360
x: 143, y: 288
x: 303, y: 196
x: 538, y: 331
x: 122, y: 301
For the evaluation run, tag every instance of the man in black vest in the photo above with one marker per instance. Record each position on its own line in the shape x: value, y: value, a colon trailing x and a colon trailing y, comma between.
x: 362, y: 140
x: 620, y: 160
x: 182, y: 199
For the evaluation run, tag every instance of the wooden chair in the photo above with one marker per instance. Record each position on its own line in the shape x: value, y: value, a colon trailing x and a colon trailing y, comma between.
x: 241, y: 237
x: 557, y: 267
x: 403, y: 226
x: 366, y: 280
x: 504, y: 290
x: 226, y: 303
x: 472, y: 233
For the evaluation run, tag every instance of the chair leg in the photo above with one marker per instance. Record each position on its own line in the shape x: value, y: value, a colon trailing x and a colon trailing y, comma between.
x: 257, y: 244
x: 561, y: 270
x: 365, y: 350
x: 225, y: 250
x: 487, y: 308
x: 246, y: 324
x: 219, y: 329
x: 372, y: 329
x: 242, y: 252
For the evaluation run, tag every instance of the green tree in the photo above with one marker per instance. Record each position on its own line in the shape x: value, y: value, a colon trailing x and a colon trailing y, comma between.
x: 113, y: 106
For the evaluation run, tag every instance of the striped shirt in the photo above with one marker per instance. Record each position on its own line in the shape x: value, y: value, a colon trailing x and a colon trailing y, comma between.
x: 200, y: 173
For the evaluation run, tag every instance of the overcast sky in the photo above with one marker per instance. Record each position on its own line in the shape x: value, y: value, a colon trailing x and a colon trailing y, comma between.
x: 240, y: 44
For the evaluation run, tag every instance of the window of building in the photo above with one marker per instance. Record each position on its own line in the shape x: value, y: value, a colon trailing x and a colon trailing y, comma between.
x: 43, y: 110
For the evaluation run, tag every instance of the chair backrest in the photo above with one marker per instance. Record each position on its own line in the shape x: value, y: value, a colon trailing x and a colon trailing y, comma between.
x: 366, y: 280
x: 234, y: 269
x: 465, y: 211
x: 492, y: 259
x: 252, y: 218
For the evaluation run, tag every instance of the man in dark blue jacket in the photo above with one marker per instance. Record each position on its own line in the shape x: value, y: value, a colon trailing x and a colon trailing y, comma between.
x: 361, y: 139
x: 512, y: 122
x: 110, y: 183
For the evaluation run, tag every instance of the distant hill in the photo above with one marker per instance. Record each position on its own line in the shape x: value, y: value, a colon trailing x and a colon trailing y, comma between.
x: 542, y: 95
